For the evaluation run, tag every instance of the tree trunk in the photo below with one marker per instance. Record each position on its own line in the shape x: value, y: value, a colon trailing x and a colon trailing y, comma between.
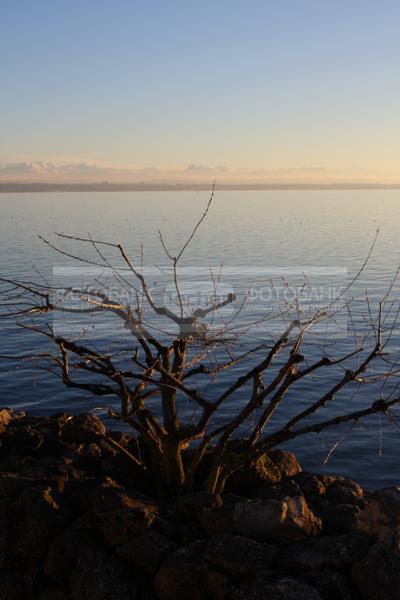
x: 172, y: 470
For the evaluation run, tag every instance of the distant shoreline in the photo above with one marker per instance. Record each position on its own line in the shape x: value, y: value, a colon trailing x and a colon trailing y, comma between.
x: 19, y: 187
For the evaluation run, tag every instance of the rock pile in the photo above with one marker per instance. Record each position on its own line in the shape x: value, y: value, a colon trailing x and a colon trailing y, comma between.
x: 78, y: 523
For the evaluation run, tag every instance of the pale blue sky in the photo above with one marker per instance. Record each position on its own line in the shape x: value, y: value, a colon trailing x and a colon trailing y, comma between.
x: 256, y: 84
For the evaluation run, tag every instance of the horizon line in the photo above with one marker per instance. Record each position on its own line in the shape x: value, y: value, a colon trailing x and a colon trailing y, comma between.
x: 36, y: 186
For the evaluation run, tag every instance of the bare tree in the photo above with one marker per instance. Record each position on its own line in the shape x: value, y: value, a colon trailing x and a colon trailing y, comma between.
x: 160, y: 377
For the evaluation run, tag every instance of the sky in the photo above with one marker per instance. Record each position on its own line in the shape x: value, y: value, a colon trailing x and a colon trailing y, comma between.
x: 256, y: 85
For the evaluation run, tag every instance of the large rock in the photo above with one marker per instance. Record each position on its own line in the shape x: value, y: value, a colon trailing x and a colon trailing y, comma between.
x: 285, y: 589
x: 377, y: 576
x: 118, y: 526
x: 79, y: 492
x: 336, y: 500
x: 311, y: 486
x: 330, y: 552
x: 187, y: 507
x: 238, y: 555
x: 184, y: 514
x: 17, y: 583
x: 269, y: 468
x: 331, y: 585
x: 277, y: 491
x: 185, y: 575
x: 339, y: 518
x: 330, y: 490
x: 39, y: 520
x: 146, y: 552
x: 65, y: 552
x: 382, y: 513
x: 263, y: 519
x: 286, y: 462
x: 342, y: 490
x: 101, y: 576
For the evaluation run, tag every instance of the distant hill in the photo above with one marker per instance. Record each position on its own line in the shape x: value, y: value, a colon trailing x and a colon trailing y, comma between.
x: 21, y: 187
x: 30, y: 176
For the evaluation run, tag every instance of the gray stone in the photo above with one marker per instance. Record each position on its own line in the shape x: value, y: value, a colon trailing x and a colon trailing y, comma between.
x: 339, y: 518
x: 65, y: 552
x: 377, y: 576
x: 185, y: 575
x: 285, y: 589
x: 341, y: 490
x: 331, y: 552
x: 311, y: 486
x: 382, y: 513
x: 263, y: 519
x: 146, y: 551
x: 238, y: 555
x: 118, y: 526
x: 101, y: 576
x: 331, y: 585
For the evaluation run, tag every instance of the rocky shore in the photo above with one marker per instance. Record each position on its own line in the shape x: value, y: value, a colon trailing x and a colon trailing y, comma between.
x: 78, y: 523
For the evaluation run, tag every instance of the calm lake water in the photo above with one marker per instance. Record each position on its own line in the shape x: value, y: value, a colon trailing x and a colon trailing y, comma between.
x: 248, y: 232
